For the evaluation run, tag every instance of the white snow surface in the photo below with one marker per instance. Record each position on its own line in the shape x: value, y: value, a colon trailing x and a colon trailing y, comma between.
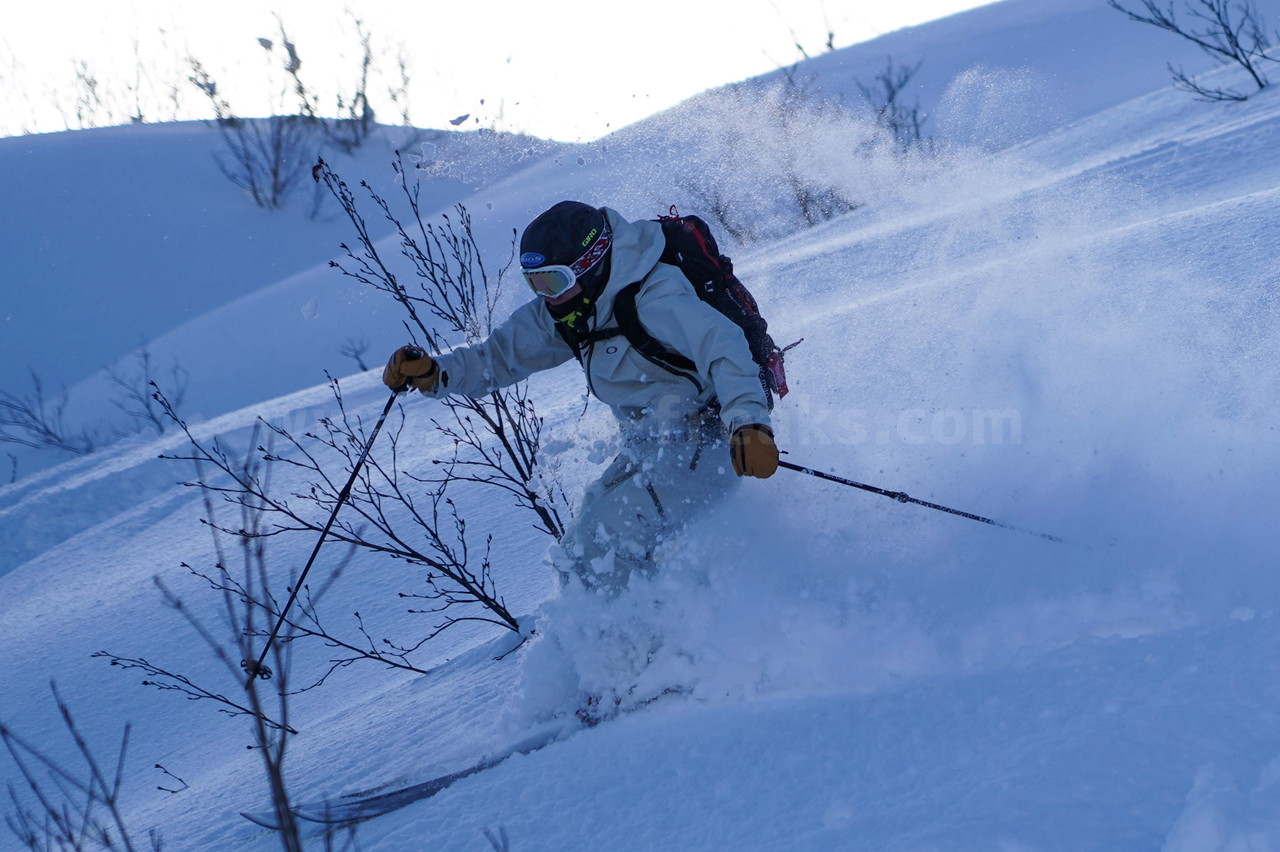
x: 1066, y: 321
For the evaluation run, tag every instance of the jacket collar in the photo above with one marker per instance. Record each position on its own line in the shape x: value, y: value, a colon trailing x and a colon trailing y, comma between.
x: 637, y: 248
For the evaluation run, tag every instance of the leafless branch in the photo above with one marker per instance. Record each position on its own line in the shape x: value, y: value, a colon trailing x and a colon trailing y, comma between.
x: 136, y: 389
x: 1230, y: 31
x: 502, y: 431
x: 901, y: 122
x: 236, y: 642
x: 37, y: 421
x: 379, y: 515
x: 356, y: 350
x: 266, y: 157
x: 74, y: 807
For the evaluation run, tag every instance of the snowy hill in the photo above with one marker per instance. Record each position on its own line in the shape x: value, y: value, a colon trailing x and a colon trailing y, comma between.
x: 120, y: 237
x: 1070, y: 327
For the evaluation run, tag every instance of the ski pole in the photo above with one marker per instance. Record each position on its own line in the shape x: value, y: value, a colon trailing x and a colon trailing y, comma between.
x: 903, y: 497
x: 256, y: 669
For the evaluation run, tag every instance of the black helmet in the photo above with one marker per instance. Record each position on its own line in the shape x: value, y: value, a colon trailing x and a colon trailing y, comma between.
x: 570, y: 234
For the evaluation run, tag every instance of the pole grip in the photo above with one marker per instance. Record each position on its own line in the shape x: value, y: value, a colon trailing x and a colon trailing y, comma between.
x: 411, y: 353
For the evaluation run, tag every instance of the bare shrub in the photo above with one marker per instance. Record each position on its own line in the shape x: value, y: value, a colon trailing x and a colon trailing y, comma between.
x: 353, y: 114
x: 902, y: 123
x: 234, y: 643
x: 136, y: 389
x: 89, y: 106
x: 38, y: 421
x: 388, y: 513
x: 1231, y: 31
x: 398, y: 89
x: 266, y: 157
x: 356, y: 350
x: 76, y: 808
x: 497, y: 437
x: 828, y: 41
x: 762, y: 160
x: 767, y: 159
x: 17, y: 104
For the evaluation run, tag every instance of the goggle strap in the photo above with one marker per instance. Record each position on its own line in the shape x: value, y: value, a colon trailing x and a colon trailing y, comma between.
x: 595, y: 252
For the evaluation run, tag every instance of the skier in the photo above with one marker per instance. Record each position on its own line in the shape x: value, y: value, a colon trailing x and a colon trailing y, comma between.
x: 684, y: 436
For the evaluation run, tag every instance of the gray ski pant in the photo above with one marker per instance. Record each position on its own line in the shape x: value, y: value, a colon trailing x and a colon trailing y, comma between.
x: 650, y: 490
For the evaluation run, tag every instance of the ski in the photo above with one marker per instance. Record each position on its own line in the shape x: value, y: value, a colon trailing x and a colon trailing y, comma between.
x: 356, y: 807
x: 367, y: 804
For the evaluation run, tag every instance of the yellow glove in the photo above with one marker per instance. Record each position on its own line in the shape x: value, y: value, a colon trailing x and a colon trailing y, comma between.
x: 753, y: 451
x: 410, y: 367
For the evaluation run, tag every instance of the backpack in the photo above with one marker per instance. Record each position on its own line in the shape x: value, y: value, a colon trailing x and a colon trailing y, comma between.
x: 691, y: 247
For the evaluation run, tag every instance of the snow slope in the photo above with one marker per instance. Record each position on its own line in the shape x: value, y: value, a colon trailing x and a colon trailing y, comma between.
x: 147, y: 266
x: 121, y: 238
x: 1074, y: 334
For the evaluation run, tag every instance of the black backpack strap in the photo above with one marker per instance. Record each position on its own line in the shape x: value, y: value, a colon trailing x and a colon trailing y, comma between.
x: 578, y: 340
x: 628, y: 317
x: 570, y: 339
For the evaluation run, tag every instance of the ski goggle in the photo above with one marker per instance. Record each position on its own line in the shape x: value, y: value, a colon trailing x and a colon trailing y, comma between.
x: 555, y: 280
x: 550, y: 281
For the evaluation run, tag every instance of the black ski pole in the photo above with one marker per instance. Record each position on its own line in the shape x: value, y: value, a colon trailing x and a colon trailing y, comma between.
x: 903, y: 497
x: 256, y: 669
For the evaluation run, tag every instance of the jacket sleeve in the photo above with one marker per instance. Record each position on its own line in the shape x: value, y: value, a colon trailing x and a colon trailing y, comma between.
x: 525, y: 344
x: 671, y: 311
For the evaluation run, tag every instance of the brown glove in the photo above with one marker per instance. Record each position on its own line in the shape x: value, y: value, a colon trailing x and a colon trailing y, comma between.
x: 410, y: 367
x: 753, y: 451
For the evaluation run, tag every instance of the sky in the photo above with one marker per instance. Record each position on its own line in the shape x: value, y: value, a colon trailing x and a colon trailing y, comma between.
x: 557, y: 69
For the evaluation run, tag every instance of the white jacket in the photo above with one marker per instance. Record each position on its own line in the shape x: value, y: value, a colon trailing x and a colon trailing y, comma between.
x: 637, y: 390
